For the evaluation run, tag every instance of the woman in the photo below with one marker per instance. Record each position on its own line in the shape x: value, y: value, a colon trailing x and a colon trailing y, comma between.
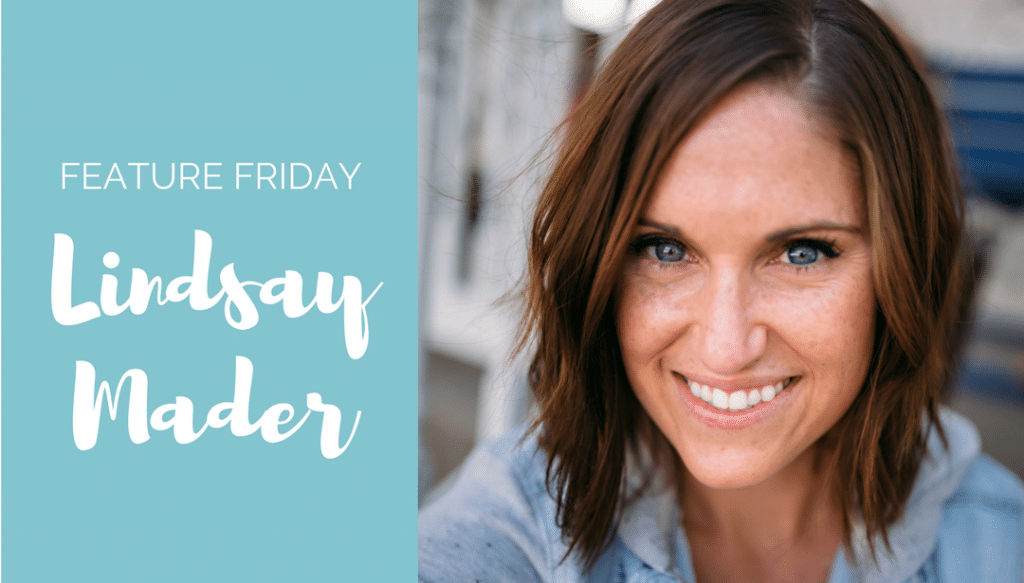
x: 746, y: 283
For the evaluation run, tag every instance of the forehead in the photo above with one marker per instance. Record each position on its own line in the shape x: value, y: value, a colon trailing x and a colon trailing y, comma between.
x: 760, y: 154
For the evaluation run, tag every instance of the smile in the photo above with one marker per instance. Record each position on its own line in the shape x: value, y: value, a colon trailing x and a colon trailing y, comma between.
x: 739, y: 400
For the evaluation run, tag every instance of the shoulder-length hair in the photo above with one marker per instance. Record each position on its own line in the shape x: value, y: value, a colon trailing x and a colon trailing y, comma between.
x: 842, y: 60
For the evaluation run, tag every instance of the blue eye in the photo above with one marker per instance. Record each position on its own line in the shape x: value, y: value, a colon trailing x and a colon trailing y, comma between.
x: 808, y: 252
x: 802, y: 255
x: 665, y: 251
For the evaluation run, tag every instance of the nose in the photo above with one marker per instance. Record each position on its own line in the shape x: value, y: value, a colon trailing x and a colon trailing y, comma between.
x: 731, y: 336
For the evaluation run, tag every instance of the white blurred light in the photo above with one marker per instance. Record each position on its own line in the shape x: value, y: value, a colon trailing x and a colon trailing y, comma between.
x: 595, y: 15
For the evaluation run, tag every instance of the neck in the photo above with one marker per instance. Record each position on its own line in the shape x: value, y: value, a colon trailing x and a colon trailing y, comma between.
x: 771, y: 523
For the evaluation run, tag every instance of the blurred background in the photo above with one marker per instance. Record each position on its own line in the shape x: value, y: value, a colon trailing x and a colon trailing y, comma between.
x: 497, y: 76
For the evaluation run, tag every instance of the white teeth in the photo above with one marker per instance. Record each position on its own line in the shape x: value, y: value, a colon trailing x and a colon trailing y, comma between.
x: 737, y: 400
x: 719, y: 399
x: 753, y: 398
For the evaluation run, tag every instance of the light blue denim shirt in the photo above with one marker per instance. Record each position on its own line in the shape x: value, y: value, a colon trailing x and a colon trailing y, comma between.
x: 964, y: 521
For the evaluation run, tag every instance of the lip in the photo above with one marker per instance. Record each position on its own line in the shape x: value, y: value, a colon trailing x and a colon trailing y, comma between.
x: 719, y: 419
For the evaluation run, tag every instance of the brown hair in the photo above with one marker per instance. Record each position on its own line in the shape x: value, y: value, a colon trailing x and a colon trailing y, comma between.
x: 680, y: 60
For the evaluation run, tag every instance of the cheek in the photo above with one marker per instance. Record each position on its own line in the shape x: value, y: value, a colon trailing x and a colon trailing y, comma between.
x: 649, y: 315
x: 645, y: 317
x: 860, y: 323
x: 835, y: 338
x: 852, y: 319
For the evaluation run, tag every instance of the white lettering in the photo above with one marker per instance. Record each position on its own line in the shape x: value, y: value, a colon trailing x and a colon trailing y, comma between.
x: 60, y: 286
x: 179, y: 415
x: 354, y: 170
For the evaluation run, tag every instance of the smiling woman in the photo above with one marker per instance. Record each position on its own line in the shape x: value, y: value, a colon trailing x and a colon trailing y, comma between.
x: 746, y: 287
x: 749, y: 292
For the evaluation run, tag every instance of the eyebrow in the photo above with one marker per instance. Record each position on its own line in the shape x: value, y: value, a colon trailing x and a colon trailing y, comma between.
x: 817, y: 226
x: 776, y: 235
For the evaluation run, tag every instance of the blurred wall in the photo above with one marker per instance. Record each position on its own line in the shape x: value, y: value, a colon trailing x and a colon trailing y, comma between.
x: 494, y: 79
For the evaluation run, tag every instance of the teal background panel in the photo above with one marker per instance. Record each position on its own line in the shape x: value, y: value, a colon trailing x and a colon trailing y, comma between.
x: 195, y: 82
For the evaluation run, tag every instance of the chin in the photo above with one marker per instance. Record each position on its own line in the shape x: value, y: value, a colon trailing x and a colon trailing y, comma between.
x: 727, y: 477
x: 721, y: 467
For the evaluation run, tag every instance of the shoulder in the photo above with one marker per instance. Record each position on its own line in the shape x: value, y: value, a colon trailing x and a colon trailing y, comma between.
x: 496, y: 522
x: 990, y: 487
x: 982, y: 530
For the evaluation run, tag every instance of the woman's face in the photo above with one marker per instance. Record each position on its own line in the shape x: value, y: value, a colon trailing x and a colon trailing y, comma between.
x: 745, y: 312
